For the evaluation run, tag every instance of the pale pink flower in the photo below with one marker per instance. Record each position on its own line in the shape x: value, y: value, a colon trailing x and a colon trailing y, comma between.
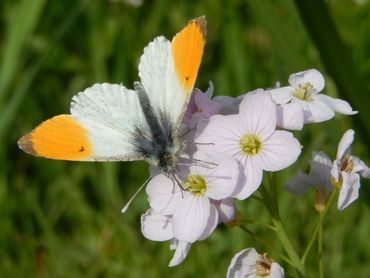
x: 200, y: 106
x: 304, y: 90
x: 249, y: 264
x: 250, y: 137
x: 346, y: 171
x: 318, y: 178
x: 158, y: 227
x: 194, y: 215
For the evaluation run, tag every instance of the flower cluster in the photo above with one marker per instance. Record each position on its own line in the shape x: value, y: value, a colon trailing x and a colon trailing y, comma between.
x: 228, y: 144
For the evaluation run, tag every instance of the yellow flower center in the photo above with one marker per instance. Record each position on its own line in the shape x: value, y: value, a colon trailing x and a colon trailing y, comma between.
x: 195, y: 184
x: 263, y: 266
x: 303, y: 92
x: 250, y: 144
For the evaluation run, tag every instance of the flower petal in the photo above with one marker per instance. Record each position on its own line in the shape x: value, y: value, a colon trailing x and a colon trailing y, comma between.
x: 226, y: 210
x: 320, y: 170
x: 349, y: 190
x: 279, y: 151
x: 155, y: 226
x: 223, y: 179
x: 220, y: 134
x: 211, y: 224
x: 282, y: 95
x: 243, y: 264
x: 258, y: 114
x: 253, y: 179
x: 311, y: 76
x: 182, y: 250
x: 337, y: 105
x: 344, y: 146
x: 228, y: 105
x: 190, y: 217
x: 299, y: 184
x: 316, y: 111
x: 163, y: 194
x: 276, y: 271
x: 290, y: 116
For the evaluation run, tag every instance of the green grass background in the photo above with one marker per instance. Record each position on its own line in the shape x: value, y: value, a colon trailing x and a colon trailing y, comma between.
x: 62, y: 219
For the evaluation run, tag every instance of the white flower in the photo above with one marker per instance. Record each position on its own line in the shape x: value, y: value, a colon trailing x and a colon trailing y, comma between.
x: 250, y: 137
x: 345, y: 171
x: 158, y: 227
x: 249, y: 264
x: 304, y: 90
x: 318, y: 178
x: 194, y: 213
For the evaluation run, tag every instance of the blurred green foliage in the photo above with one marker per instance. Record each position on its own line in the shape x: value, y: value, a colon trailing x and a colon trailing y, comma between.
x: 62, y: 219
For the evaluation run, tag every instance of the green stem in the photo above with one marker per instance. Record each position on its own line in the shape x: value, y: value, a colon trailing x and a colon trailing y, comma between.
x: 287, y: 245
x: 315, y: 232
x: 271, y: 204
x: 250, y: 221
x: 319, y: 243
x: 266, y: 244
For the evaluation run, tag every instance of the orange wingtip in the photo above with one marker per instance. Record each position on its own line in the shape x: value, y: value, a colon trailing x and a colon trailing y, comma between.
x: 60, y: 137
x: 187, y: 51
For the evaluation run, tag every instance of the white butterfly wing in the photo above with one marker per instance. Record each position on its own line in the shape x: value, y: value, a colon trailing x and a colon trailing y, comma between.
x: 168, y: 70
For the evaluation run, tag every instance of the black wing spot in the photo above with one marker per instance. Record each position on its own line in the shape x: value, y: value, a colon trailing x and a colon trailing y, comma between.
x: 187, y: 78
x: 81, y: 149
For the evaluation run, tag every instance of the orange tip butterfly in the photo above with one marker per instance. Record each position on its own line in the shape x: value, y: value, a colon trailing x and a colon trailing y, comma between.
x: 108, y: 122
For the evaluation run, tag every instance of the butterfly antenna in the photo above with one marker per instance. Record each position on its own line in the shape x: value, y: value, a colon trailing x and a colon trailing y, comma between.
x: 200, y: 163
x: 125, y: 208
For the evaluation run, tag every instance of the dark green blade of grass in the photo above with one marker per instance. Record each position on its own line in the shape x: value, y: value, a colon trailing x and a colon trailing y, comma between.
x: 337, y: 60
x: 21, y: 25
x: 10, y: 110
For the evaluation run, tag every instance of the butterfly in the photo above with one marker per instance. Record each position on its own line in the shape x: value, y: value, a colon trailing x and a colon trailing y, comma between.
x: 108, y: 122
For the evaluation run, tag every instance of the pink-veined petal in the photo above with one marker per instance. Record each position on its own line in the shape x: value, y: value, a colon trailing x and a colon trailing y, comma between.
x: 253, y: 179
x: 190, y: 218
x: 155, y: 226
x: 219, y: 134
x: 258, y: 114
x: 282, y: 95
x: 312, y: 76
x: 290, y: 116
x: 182, y: 250
x: 365, y: 173
x: 279, y: 151
x: 317, y: 111
x: 226, y: 210
x: 228, y: 105
x: 243, y: 264
x: 349, y: 190
x: 337, y: 105
x: 211, y: 224
x: 344, y: 146
x: 222, y: 179
x: 163, y: 194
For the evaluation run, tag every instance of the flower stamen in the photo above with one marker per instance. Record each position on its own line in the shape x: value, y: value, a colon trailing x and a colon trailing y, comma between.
x: 195, y: 184
x: 303, y: 92
x: 347, y: 164
x: 263, y: 266
x: 250, y: 144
